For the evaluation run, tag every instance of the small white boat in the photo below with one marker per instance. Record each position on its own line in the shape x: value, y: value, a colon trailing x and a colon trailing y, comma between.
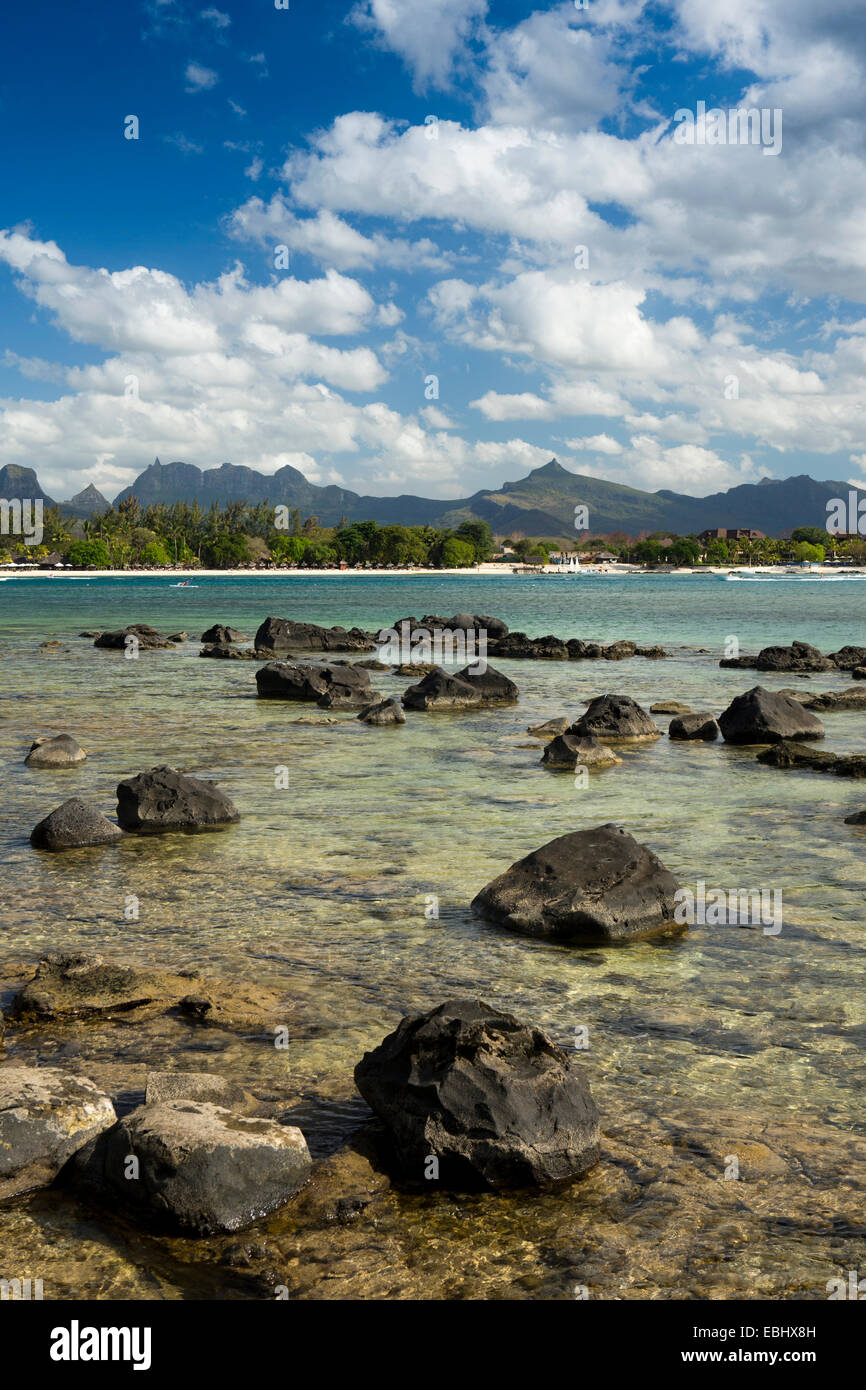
x: 184, y: 584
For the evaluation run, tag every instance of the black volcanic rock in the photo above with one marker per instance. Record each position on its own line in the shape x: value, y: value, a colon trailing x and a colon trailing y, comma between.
x: 517, y: 644
x: 692, y: 727
x: 800, y: 656
x: 282, y: 635
x: 567, y: 752
x: 382, y: 713
x: 493, y: 687
x: 847, y: 658
x: 220, y: 634
x: 439, y: 690
x: 592, y: 887
x: 764, y: 716
x: 146, y: 638
x: 616, y: 719
x: 493, y: 1100
x: 74, y: 825
x: 164, y: 799
x: 298, y: 680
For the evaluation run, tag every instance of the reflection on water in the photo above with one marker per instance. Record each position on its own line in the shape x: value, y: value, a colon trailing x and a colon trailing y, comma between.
x: 320, y: 890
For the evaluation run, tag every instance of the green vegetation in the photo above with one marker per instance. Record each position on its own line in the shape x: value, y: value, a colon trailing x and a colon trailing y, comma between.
x: 131, y: 536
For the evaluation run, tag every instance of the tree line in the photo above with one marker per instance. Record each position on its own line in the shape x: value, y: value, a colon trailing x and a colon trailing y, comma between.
x: 186, y: 535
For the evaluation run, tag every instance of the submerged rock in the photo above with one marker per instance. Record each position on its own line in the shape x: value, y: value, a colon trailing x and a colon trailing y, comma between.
x: 45, y: 1116
x: 70, y: 986
x: 764, y: 716
x: 201, y: 1168
x: 219, y: 650
x: 550, y: 728
x: 382, y: 713
x: 694, y: 727
x: 570, y: 751
x: 789, y: 753
x: 164, y: 799
x: 198, y: 1086
x: 492, y: 1099
x: 439, y: 690
x: 831, y: 699
x: 670, y: 707
x: 616, y: 719
x: 592, y: 887
x: 60, y: 751
x: 74, y: 825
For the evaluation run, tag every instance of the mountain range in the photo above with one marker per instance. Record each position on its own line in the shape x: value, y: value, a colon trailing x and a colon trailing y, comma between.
x: 541, y: 504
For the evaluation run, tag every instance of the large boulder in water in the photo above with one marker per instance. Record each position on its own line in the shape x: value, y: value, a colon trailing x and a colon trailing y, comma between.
x: 45, y: 1116
x: 298, y: 680
x: 283, y: 635
x: 74, y: 825
x: 694, y: 728
x: 616, y: 719
x: 164, y: 799
x: 439, y: 690
x: 223, y: 635
x: 138, y: 636
x: 765, y: 716
x: 800, y: 656
x: 494, y: 1100
x: 202, y: 1168
x: 461, y: 622
x: 848, y: 657
x: 569, y: 752
x: 619, y: 651
x: 60, y: 751
x: 382, y: 713
x: 517, y: 644
x: 493, y: 687
x: 592, y: 887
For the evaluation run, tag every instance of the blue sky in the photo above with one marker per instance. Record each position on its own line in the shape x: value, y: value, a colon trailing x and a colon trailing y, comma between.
x: 431, y: 169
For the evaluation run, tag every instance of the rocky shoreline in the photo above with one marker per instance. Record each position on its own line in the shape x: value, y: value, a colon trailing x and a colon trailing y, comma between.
x: 202, y: 1158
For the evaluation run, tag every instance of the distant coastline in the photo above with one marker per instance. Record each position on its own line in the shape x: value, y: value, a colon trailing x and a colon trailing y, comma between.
x: 505, y: 571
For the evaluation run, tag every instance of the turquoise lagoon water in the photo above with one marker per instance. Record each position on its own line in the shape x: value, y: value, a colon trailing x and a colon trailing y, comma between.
x: 320, y: 891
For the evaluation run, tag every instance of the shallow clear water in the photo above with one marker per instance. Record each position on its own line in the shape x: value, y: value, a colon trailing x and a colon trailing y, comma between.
x: 320, y: 891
